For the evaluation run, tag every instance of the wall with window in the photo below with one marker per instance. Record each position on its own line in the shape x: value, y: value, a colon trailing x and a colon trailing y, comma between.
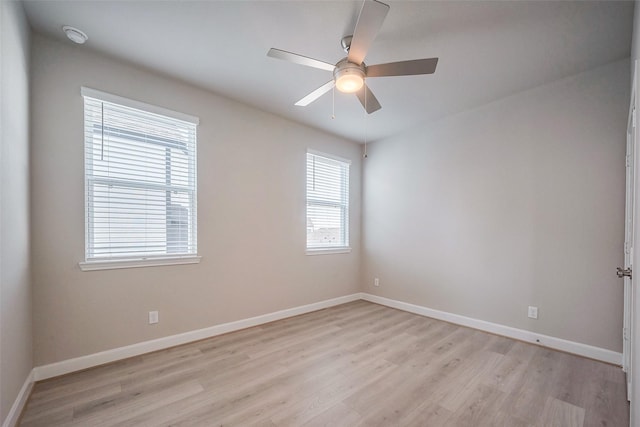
x: 519, y: 202
x: 15, y: 288
x: 251, y: 215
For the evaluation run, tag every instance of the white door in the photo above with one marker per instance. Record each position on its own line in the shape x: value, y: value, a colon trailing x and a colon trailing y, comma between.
x: 627, y: 331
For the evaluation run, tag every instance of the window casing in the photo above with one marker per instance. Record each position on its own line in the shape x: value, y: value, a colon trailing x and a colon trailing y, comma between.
x: 327, y: 203
x: 140, y: 182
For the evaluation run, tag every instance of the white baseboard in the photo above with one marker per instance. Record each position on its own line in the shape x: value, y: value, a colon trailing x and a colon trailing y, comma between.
x: 21, y: 400
x: 91, y: 360
x: 79, y: 363
x: 580, y: 349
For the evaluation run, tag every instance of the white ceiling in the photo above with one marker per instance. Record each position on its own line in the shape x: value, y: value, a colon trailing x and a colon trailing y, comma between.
x: 487, y: 50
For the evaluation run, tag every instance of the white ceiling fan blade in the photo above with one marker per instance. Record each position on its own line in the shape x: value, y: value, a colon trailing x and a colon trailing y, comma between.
x: 403, y: 68
x: 369, y: 22
x: 299, y: 59
x: 316, y: 94
x: 368, y: 101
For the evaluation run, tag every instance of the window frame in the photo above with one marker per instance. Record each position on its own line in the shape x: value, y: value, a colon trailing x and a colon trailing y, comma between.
x: 144, y: 260
x: 344, y: 205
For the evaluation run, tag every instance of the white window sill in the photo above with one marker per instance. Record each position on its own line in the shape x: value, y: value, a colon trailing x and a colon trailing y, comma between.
x: 327, y: 251
x: 135, y: 263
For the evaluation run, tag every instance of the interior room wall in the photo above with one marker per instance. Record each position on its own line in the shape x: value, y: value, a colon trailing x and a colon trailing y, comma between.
x: 251, y: 215
x: 519, y: 202
x: 16, y: 359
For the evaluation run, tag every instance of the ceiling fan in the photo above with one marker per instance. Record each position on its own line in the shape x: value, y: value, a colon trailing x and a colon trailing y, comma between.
x: 349, y: 73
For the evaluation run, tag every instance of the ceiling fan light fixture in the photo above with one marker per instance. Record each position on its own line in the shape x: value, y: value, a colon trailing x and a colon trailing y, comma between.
x: 349, y: 79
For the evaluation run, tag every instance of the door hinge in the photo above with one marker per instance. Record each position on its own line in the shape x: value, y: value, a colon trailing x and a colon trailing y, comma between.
x: 625, y: 333
x: 633, y: 118
x: 626, y: 247
x: 623, y: 272
x: 627, y: 160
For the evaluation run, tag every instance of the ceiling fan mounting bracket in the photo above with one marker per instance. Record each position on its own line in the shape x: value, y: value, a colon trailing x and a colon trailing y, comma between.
x: 346, y: 43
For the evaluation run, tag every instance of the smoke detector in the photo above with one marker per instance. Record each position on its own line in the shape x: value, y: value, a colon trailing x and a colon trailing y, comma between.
x: 75, y: 35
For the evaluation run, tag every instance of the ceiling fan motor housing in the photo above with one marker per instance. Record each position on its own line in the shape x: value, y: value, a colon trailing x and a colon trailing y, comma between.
x: 349, y: 77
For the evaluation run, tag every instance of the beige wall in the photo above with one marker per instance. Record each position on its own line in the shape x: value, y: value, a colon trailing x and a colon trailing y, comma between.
x: 15, y: 289
x: 517, y: 203
x: 251, y: 215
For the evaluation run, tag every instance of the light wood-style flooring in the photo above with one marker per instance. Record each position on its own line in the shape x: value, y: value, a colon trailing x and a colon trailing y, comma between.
x: 350, y: 365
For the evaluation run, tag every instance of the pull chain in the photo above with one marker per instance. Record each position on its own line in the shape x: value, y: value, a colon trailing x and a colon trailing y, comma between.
x: 333, y: 102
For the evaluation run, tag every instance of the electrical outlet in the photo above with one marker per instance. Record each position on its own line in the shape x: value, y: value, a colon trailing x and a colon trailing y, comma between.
x: 376, y: 282
x: 153, y: 317
x: 533, y: 312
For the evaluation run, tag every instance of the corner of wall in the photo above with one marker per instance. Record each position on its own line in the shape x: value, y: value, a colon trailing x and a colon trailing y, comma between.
x: 16, y: 325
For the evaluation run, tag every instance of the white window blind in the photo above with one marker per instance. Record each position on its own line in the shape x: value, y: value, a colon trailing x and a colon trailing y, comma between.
x: 140, y: 181
x: 327, y: 202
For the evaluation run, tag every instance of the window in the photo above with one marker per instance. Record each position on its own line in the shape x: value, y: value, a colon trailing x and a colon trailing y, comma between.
x: 140, y: 184
x: 327, y: 203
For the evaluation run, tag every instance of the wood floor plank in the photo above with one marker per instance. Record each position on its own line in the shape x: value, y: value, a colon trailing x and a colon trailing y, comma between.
x: 507, y: 374
x: 529, y: 397
x: 466, y: 391
x: 100, y: 375
x: 119, y: 408
x: 265, y: 394
x: 429, y: 413
x: 66, y: 403
x: 557, y: 413
x: 606, y: 405
x: 504, y: 419
x: 338, y: 415
x: 500, y: 344
x: 478, y: 408
x: 307, y: 402
x: 422, y: 343
x: 399, y: 402
x: 357, y: 364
